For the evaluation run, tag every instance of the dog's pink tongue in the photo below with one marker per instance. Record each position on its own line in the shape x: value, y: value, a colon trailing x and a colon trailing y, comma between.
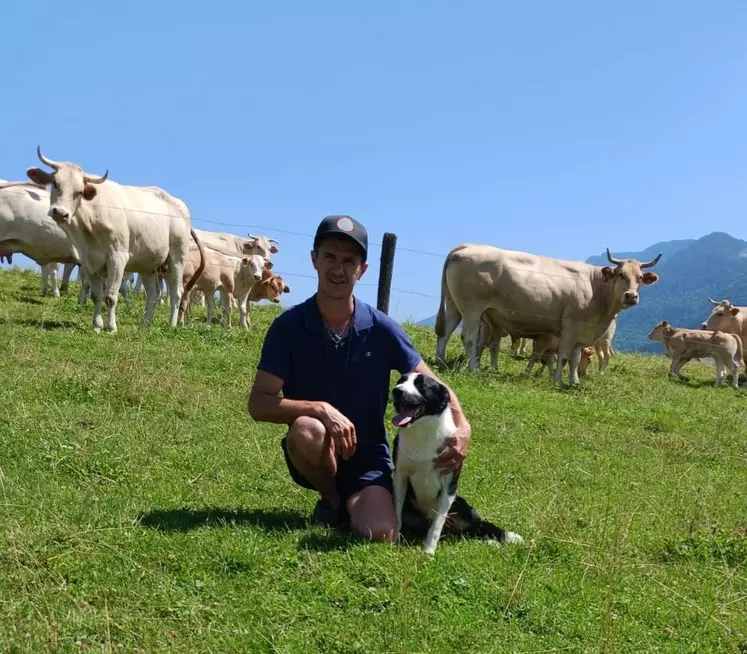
x: 403, y: 417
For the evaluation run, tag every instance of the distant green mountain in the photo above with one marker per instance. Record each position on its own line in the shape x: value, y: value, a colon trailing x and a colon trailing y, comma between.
x: 690, y: 271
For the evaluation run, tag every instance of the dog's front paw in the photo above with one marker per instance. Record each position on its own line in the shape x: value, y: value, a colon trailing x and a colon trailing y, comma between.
x: 513, y: 538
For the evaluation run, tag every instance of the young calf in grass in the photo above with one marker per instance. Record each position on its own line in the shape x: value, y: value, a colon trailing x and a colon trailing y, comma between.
x: 423, y: 420
x: 686, y: 344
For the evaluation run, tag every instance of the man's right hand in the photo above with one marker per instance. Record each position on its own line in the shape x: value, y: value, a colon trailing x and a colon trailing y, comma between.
x: 340, y: 430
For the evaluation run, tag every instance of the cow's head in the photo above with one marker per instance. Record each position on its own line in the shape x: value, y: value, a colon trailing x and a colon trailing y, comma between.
x: 723, y: 317
x: 661, y: 330
x: 272, y: 286
x: 583, y: 364
x: 253, y: 266
x: 70, y: 186
x: 627, y: 277
x: 262, y: 245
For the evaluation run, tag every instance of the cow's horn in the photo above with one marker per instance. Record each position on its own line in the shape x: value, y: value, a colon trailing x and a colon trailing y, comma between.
x: 652, y: 263
x: 251, y: 236
x: 273, y: 240
x: 713, y: 302
x: 45, y: 161
x: 612, y: 259
x: 91, y: 179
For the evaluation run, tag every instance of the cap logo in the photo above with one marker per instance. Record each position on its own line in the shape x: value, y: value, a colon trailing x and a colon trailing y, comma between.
x: 345, y: 224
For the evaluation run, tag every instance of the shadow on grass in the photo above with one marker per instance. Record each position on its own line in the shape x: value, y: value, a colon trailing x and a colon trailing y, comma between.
x: 186, y: 519
x: 48, y: 324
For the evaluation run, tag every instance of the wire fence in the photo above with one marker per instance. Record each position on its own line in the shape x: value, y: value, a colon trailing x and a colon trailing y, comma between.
x: 581, y: 274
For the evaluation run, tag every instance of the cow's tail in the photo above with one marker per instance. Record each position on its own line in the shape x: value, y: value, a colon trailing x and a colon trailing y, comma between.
x: 440, y: 326
x: 193, y: 280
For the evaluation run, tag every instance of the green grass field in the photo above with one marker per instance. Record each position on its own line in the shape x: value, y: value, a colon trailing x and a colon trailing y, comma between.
x: 143, y: 510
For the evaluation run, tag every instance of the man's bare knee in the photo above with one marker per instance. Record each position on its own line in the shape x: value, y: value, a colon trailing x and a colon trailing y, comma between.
x: 305, y: 434
x: 376, y: 530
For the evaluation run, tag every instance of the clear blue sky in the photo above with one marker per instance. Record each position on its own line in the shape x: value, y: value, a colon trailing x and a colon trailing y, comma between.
x: 558, y: 128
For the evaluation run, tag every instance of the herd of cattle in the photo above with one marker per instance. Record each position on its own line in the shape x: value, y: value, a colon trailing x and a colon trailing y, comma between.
x: 112, y: 231
x: 569, y: 309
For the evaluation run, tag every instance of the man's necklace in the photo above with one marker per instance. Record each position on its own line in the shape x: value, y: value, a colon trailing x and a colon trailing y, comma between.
x: 338, y: 335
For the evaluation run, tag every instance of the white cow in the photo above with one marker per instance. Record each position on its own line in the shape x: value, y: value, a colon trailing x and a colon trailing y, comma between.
x: 531, y: 295
x: 237, y: 245
x: 141, y: 229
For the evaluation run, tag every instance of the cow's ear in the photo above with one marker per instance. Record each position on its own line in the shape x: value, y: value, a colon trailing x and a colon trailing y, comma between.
x: 664, y: 323
x: 89, y: 192
x: 608, y: 273
x: 286, y: 289
x: 273, y: 249
x: 268, y: 265
x: 734, y: 311
x: 245, y: 261
x: 650, y: 278
x: 39, y: 176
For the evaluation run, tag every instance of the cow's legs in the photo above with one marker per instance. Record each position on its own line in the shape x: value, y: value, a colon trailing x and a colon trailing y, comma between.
x: 227, y: 303
x: 210, y: 301
x: 734, y: 373
x: 451, y: 322
x: 174, y: 281
x: 471, y: 327
x: 494, y: 348
x: 245, y: 321
x: 85, y: 286
x: 67, y: 270
x: 96, y: 286
x: 49, y: 276
x: 152, y: 285
x: 115, y: 269
x: 719, y: 372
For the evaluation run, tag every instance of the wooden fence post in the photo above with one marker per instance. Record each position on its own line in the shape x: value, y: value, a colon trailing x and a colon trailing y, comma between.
x: 386, y: 269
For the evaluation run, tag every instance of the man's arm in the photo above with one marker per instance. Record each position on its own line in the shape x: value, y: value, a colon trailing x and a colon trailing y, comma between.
x: 266, y: 405
x: 451, y: 456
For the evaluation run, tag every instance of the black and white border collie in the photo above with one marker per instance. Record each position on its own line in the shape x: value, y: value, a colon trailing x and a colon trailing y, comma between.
x: 422, y: 415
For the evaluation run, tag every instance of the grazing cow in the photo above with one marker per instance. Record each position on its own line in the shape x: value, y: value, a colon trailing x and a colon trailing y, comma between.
x: 269, y: 288
x: 725, y: 317
x: 686, y: 344
x: 531, y: 295
x: 225, y: 273
x: 129, y: 228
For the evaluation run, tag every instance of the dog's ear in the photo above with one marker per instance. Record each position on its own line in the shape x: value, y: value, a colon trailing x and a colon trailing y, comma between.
x: 436, y: 395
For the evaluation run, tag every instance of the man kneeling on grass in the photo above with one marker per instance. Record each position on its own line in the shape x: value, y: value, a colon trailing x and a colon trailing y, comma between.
x: 332, y: 357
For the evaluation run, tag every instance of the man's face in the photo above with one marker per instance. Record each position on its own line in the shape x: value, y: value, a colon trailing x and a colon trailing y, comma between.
x: 339, y: 267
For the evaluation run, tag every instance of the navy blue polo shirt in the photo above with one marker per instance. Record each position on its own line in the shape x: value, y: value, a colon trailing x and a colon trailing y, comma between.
x: 354, y: 377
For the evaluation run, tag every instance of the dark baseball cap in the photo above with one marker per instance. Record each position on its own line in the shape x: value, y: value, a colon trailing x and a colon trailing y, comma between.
x: 346, y: 226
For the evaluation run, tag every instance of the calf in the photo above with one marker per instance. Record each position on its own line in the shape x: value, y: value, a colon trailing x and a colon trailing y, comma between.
x: 545, y: 350
x: 225, y: 273
x: 685, y: 344
x: 270, y: 287
x: 725, y: 317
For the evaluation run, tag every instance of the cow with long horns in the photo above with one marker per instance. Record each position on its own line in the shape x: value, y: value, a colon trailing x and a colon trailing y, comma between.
x: 135, y: 228
x: 530, y: 295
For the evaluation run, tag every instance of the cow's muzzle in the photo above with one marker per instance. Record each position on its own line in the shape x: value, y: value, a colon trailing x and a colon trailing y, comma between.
x: 59, y: 215
x: 630, y: 299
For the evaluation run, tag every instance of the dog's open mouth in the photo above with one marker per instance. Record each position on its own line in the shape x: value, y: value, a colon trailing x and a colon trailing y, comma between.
x: 406, y: 415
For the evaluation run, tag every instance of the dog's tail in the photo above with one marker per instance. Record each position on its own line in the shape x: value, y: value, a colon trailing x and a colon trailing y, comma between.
x: 469, y: 523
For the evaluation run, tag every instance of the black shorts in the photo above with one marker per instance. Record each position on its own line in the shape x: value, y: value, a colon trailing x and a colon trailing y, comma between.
x: 363, y: 469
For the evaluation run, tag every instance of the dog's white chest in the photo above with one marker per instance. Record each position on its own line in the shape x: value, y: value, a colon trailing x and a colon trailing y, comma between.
x: 426, y: 483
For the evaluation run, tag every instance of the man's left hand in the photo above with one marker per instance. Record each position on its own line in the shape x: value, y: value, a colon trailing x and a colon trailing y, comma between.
x: 452, y: 453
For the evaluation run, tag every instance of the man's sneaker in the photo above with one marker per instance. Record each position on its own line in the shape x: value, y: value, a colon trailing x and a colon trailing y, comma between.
x: 325, y: 514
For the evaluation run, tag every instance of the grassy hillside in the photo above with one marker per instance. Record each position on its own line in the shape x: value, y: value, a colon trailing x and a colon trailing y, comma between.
x: 142, y: 510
